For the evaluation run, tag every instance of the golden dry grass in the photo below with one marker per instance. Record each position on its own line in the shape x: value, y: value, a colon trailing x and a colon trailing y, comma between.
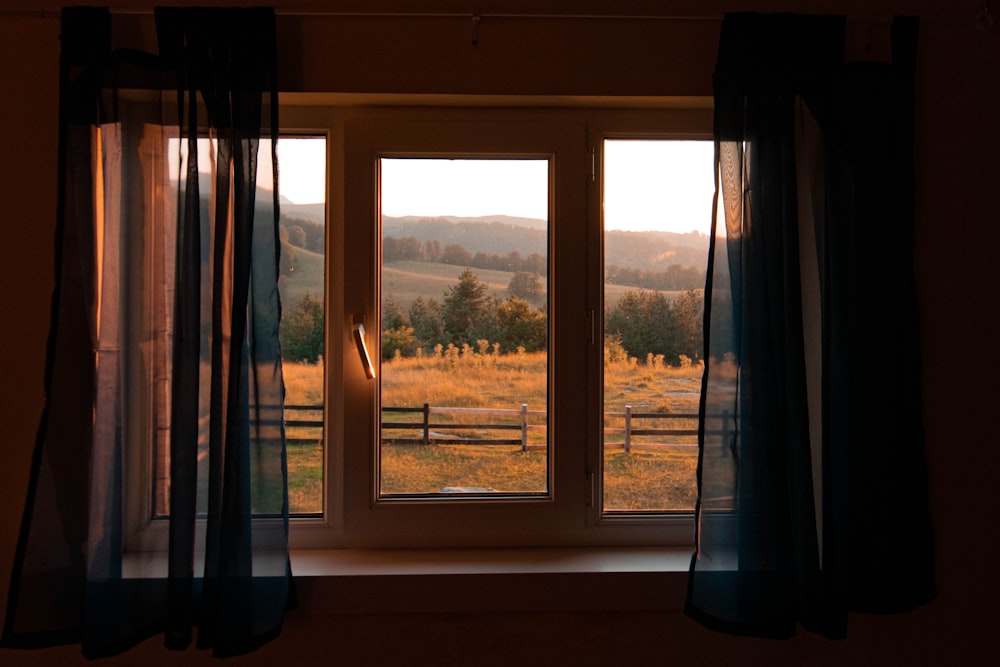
x: 304, y: 386
x: 409, y: 469
x: 642, y: 479
x: 303, y: 383
x: 650, y: 481
x: 469, y: 381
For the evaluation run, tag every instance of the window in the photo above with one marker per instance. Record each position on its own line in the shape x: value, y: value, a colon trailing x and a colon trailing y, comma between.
x: 463, y: 388
x: 382, y: 156
x: 302, y: 285
x: 534, y: 350
x: 480, y: 431
x: 657, y: 198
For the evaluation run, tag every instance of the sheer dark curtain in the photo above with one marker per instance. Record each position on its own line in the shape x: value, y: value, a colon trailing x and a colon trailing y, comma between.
x: 158, y: 499
x: 812, y: 479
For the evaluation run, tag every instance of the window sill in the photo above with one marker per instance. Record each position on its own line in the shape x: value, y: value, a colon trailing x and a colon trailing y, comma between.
x: 490, y: 580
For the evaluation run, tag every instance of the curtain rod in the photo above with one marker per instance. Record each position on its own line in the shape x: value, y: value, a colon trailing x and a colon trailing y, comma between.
x: 983, y: 16
x: 333, y: 13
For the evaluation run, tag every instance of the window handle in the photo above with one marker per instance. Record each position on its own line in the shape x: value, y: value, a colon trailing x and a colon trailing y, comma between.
x: 366, y: 360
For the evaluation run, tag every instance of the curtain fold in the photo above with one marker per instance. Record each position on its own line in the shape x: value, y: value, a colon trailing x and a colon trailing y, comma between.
x: 812, y: 481
x: 158, y: 500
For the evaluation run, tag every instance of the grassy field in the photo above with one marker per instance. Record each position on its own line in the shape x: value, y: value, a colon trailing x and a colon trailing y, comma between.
x: 307, y: 275
x: 304, y: 386
x: 643, y: 479
x: 405, y: 281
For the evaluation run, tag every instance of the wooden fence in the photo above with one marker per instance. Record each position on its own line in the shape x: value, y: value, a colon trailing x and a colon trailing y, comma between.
x: 436, y: 431
x: 517, y: 420
x: 297, y: 431
x: 629, y: 431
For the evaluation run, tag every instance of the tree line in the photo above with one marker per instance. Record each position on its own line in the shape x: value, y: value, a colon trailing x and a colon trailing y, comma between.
x: 302, y: 234
x: 410, y: 248
x: 466, y: 315
x: 645, y: 323
x: 675, y: 277
x: 642, y: 324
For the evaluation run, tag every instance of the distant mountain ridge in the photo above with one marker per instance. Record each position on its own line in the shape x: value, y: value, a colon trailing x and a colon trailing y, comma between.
x: 654, y: 251
x: 651, y: 251
x: 502, y: 234
x: 312, y: 212
x: 531, y: 223
x: 491, y: 234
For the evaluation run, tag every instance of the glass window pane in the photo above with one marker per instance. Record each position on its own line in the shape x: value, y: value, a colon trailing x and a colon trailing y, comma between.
x: 464, y: 326
x: 657, y: 208
x: 302, y: 285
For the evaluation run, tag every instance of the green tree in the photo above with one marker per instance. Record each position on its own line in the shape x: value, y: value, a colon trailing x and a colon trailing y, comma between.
x: 642, y: 320
x: 520, y: 325
x: 396, y: 249
x: 397, y: 334
x: 466, y: 311
x: 398, y: 338
x: 688, y: 311
x: 647, y: 322
x: 301, y: 332
x: 525, y: 285
x: 393, y: 315
x: 456, y: 254
x: 428, y: 323
x: 432, y: 251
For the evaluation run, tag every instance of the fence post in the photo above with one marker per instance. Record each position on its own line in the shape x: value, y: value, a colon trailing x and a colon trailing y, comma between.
x: 427, y: 423
x: 628, y: 429
x: 524, y: 427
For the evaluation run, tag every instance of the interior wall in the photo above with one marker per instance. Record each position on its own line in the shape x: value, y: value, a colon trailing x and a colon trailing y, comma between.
x: 958, y: 109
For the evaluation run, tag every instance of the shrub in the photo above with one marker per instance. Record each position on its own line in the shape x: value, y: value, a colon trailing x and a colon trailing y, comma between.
x: 302, y: 330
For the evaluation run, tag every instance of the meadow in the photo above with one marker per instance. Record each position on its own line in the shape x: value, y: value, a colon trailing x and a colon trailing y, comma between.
x: 649, y: 477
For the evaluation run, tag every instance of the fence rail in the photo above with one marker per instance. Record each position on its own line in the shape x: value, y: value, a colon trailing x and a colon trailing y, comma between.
x: 435, y: 431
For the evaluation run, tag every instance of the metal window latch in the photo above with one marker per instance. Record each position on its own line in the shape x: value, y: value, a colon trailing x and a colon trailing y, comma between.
x: 359, y: 341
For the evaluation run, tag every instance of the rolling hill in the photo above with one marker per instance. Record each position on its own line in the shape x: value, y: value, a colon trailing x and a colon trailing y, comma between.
x: 494, y: 234
x: 304, y: 273
x: 650, y: 251
x: 405, y: 280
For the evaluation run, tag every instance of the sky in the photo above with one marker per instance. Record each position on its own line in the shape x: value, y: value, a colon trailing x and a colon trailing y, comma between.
x: 302, y: 168
x: 466, y: 188
x: 663, y: 185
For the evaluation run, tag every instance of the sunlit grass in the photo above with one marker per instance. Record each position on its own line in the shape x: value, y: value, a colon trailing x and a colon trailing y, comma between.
x: 643, y: 479
x: 305, y: 479
x: 303, y: 383
x: 648, y: 480
x: 468, y: 381
x: 431, y: 468
x: 304, y: 386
